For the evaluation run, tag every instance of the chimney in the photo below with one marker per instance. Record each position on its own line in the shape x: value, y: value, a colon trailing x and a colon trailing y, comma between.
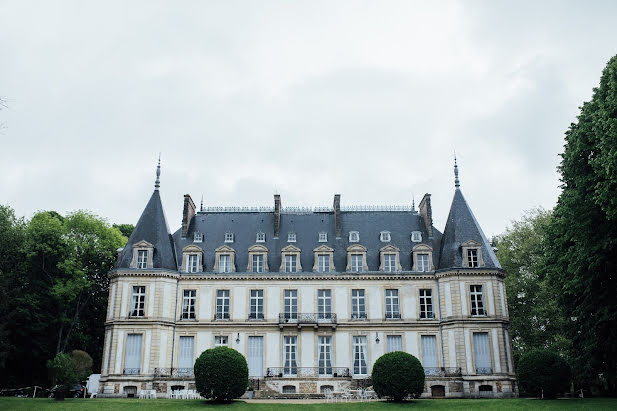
x: 427, y: 213
x: 337, y: 214
x: 187, y: 214
x: 277, y: 215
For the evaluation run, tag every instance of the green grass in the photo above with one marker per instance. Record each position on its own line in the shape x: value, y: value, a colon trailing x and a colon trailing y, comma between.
x: 8, y: 403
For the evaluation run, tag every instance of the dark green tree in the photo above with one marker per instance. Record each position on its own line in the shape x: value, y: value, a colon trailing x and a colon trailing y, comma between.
x: 125, y: 229
x: 397, y: 375
x: 543, y: 373
x: 581, y: 240
x: 221, y: 374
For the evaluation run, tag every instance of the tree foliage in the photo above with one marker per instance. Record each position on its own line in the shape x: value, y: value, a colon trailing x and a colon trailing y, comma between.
x: 543, y: 373
x: 397, y: 375
x: 581, y: 245
x: 66, y: 370
x: 221, y: 374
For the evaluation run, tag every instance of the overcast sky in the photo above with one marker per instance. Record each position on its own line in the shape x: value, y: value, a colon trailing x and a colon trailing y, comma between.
x: 307, y: 98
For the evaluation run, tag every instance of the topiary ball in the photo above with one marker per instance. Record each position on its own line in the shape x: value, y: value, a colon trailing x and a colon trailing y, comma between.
x: 221, y: 374
x: 397, y: 375
x: 543, y: 372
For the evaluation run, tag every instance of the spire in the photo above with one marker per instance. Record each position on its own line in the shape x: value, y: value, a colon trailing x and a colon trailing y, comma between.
x: 457, y: 183
x: 413, y: 202
x: 157, y: 182
x: 201, y: 207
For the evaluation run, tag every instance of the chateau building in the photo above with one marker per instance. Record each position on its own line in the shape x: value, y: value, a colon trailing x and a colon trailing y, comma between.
x: 310, y: 296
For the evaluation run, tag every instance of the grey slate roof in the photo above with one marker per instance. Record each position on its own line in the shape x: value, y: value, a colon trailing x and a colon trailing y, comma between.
x: 462, y: 226
x: 151, y: 227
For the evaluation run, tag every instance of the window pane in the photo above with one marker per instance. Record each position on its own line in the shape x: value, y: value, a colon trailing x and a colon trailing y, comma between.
x: 394, y: 343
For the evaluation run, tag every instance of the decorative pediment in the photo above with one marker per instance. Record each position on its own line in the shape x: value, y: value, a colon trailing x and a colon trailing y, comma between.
x: 422, y: 247
x: 257, y: 248
x: 356, y: 248
x: 389, y: 249
x: 323, y: 249
x: 225, y: 249
x: 143, y: 244
x: 192, y: 248
x: 291, y: 249
x: 471, y: 244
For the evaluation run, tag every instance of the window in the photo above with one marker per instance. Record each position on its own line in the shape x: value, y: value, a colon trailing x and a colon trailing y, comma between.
x: 472, y: 257
x: 132, y: 355
x: 482, y: 353
x: 291, y: 263
x: 323, y: 263
x: 472, y: 254
x: 138, y: 301
x: 423, y: 264
x: 290, y: 302
x: 324, y: 259
x: 192, y: 263
x: 142, y: 259
x: 257, y: 305
x: 185, y: 356
x: 189, y: 298
x: 389, y: 263
x: 224, y: 263
x: 324, y: 304
x: 426, y: 304
x: 358, y: 305
x: 258, y: 263
x: 323, y: 237
x: 290, y: 345
x: 416, y: 236
x: 289, y: 389
x: 392, y: 307
x: 324, y: 344
x: 384, y: 236
x: 198, y: 237
x: 477, y: 300
x: 229, y: 237
x: 394, y: 343
x: 261, y: 238
x: 356, y: 263
x: 291, y: 237
x: 354, y: 236
x: 429, y: 352
x: 222, y: 305
x: 359, y: 356
x: 221, y: 341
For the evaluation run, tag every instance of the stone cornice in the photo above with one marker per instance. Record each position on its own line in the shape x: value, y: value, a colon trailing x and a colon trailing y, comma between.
x: 470, y: 272
x: 127, y: 272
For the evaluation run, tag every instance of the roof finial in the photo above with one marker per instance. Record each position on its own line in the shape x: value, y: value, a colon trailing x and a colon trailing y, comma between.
x: 413, y: 202
x: 457, y: 183
x: 157, y: 182
x: 201, y: 208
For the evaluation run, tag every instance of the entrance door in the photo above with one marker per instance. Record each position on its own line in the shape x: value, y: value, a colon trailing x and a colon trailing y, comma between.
x: 256, y: 356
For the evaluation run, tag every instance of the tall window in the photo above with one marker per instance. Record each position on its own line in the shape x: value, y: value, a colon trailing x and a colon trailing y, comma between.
x: 358, y: 304
x: 477, y: 300
x: 257, y: 305
x: 325, y: 355
x: 359, y: 356
x: 356, y: 263
x: 324, y: 304
x: 429, y: 352
x: 138, y: 301
x: 394, y: 343
x: 426, y: 304
x: 323, y: 263
x: 423, y: 263
x: 189, y: 298
x: 482, y: 353
x: 224, y: 263
x: 290, y: 302
x: 132, y: 355
x: 192, y: 263
x: 185, y: 357
x: 258, y: 263
x: 221, y: 341
x: 142, y: 259
x: 389, y: 262
x: 291, y: 263
x: 392, y: 306
x: 472, y: 257
x: 222, y: 305
x: 290, y: 345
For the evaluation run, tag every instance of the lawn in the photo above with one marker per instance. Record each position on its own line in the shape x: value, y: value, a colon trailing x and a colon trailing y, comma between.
x: 9, y: 403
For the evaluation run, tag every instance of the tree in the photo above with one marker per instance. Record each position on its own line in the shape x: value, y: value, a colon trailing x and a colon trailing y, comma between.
x: 125, y: 229
x: 536, y: 318
x: 397, y: 375
x: 581, y: 240
x: 62, y: 373
x: 221, y: 373
x: 543, y: 373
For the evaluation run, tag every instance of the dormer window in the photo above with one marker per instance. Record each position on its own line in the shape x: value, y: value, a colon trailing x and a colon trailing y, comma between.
x: 290, y: 260
x: 422, y: 258
x: 229, y: 237
x: 472, y: 254
x: 384, y: 236
x: 142, y: 255
x: 261, y: 238
x: 142, y: 259
x: 356, y: 259
x: 354, y: 236
x: 416, y: 236
x: 192, y: 259
x: 224, y: 260
x: 390, y: 260
x: 291, y: 237
x: 198, y: 237
x: 323, y: 237
x: 472, y: 257
x: 258, y: 259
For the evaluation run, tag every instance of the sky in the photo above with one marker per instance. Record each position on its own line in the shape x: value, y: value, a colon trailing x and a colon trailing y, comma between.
x: 244, y: 99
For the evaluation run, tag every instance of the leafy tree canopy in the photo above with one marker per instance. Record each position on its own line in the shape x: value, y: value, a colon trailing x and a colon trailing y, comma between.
x: 221, y: 374
x: 397, y: 375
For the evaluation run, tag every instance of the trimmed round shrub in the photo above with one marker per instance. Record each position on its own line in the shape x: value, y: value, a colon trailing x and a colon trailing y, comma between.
x: 397, y: 375
x: 221, y: 374
x: 541, y: 371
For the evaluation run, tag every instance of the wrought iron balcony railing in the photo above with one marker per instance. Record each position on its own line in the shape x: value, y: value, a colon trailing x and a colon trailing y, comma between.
x: 221, y: 316
x: 174, y: 372
x: 427, y: 315
x: 442, y: 371
x: 307, y: 318
x: 306, y: 372
x: 358, y: 316
x: 393, y: 316
x: 484, y: 370
x: 256, y: 316
x: 131, y: 371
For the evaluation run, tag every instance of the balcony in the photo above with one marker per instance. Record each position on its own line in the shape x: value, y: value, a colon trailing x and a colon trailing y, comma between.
x: 359, y: 316
x: 131, y: 371
x: 256, y: 316
x: 427, y: 315
x: 307, y: 372
x: 221, y: 316
x: 393, y: 316
x: 442, y: 371
x: 174, y: 372
x: 307, y: 319
x: 484, y: 370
